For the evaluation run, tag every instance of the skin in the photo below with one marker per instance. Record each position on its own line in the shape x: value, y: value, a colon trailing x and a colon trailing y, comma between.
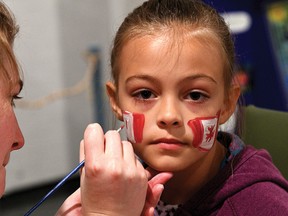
x: 172, y: 83
x: 113, y: 179
x: 11, y: 135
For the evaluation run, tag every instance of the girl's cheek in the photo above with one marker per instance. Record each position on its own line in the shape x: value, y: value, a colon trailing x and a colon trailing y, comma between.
x: 205, y: 131
x: 134, y: 125
x: 203, y: 128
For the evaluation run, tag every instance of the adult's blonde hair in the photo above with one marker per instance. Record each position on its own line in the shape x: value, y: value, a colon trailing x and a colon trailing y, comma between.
x: 8, y: 32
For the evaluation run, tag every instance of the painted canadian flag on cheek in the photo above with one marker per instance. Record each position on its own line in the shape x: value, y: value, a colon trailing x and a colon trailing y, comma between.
x: 205, y: 131
x: 134, y: 124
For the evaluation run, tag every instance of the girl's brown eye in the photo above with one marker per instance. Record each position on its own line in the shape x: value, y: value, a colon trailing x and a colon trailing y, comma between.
x: 195, y: 95
x: 145, y: 94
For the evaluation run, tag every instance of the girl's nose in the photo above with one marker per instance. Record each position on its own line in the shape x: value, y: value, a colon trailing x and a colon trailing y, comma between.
x: 169, y: 114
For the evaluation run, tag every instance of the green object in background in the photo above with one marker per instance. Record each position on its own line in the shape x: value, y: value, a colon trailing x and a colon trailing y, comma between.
x: 268, y: 129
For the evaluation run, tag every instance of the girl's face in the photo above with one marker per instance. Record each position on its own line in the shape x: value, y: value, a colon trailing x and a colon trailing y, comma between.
x: 170, y: 83
x: 11, y: 137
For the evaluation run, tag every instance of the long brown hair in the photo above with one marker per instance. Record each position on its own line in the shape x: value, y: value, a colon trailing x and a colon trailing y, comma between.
x: 156, y: 16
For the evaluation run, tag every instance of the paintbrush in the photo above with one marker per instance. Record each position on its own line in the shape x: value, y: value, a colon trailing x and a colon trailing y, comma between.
x: 76, y: 169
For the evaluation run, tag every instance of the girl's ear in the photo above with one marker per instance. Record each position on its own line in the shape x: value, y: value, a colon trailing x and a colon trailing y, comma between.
x: 230, y: 103
x: 112, y: 94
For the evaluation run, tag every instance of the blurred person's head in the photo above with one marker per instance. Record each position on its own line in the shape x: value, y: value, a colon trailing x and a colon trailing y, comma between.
x: 10, y: 85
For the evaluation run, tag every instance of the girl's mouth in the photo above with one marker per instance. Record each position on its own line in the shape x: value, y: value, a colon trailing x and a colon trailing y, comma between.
x: 169, y: 144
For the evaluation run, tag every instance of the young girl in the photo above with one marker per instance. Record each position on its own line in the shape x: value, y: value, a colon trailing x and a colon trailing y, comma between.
x: 172, y: 65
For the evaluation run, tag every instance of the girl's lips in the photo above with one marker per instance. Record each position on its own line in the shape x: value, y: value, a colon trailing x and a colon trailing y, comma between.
x: 168, y: 141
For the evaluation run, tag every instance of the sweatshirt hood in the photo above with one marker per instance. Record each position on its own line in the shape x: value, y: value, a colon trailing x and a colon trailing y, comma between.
x: 249, y: 167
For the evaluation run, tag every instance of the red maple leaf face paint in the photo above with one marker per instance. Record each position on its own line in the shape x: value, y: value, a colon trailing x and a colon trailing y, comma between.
x: 204, y: 130
x: 134, y: 124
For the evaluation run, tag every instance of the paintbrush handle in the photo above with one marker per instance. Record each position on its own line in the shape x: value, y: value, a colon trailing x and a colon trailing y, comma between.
x: 80, y: 165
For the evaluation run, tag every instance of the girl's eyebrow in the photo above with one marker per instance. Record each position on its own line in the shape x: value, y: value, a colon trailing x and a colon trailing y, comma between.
x: 154, y: 80
x: 201, y: 76
x: 142, y: 77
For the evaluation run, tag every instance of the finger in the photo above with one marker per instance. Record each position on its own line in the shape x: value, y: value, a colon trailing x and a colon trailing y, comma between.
x: 70, y: 204
x: 93, y: 143
x: 160, y: 178
x: 148, y: 211
x: 128, y: 153
x: 156, y: 177
x: 113, y: 145
x: 152, y: 198
x: 156, y: 187
x: 81, y: 151
x: 81, y: 154
x: 154, y: 193
x: 151, y: 211
x: 157, y: 192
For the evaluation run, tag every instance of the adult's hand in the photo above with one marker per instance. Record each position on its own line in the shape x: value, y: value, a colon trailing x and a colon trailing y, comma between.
x: 113, y: 181
x: 72, y: 205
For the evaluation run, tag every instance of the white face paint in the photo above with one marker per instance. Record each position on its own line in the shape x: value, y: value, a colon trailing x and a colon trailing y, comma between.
x: 134, y: 124
x: 205, y: 130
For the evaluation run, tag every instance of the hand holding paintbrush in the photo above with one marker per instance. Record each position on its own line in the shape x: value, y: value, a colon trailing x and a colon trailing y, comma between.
x: 111, y: 179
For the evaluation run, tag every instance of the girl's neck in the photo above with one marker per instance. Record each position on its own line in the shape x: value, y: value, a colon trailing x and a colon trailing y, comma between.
x: 186, y: 183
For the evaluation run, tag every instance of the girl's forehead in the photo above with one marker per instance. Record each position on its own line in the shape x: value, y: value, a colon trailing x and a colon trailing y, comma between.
x: 164, y: 59
x: 176, y: 40
x: 170, y: 48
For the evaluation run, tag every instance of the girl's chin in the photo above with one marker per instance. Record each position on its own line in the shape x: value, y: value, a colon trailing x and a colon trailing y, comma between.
x: 165, y: 167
